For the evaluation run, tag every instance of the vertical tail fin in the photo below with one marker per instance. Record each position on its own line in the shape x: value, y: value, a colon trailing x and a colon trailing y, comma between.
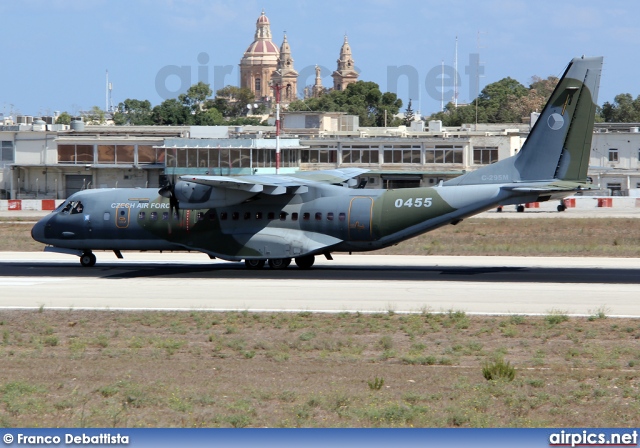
x: 559, y: 144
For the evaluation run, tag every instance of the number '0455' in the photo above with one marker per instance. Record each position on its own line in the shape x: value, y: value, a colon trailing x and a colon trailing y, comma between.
x: 414, y: 202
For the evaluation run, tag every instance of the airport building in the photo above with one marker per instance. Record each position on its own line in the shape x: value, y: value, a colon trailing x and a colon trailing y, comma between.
x: 46, y: 161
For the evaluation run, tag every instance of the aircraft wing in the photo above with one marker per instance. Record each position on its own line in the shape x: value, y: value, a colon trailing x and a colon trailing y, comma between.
x: 277, y: 184
x: 330, y: 176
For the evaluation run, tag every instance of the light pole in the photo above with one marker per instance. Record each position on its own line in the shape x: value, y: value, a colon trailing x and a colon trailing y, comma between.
x: 277, y: 88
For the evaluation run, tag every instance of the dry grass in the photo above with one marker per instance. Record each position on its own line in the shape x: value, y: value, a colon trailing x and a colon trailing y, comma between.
x: 554, y: 237
x: 201, y: 369
x: 603, y: 237
x: 16, y: 236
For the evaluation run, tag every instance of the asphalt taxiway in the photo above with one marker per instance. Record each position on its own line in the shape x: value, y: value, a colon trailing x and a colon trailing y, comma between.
x: 365, y: 283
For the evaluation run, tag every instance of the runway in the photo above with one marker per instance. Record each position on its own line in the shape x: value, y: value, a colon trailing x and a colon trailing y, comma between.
x: 365, y: 283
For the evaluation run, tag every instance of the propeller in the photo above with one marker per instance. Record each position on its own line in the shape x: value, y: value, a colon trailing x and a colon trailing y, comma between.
x: 169, y: 191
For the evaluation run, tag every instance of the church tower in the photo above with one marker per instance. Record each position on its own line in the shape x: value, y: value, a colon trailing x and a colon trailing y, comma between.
x: 260, y: 60
x: 318, y: 90
x: 285, y: 75
x: 346, y: 73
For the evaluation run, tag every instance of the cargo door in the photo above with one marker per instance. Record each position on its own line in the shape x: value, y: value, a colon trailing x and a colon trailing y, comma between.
x: 360, y: 211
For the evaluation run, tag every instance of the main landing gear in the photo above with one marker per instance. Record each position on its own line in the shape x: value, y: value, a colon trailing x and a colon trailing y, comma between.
x: 281, y: 263
x: 87, y: 259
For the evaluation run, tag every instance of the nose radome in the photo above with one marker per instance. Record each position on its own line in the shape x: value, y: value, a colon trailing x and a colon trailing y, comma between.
x: 37, y: 232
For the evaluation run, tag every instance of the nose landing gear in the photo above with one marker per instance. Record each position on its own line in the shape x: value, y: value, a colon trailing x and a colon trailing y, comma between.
x: 87, y: 259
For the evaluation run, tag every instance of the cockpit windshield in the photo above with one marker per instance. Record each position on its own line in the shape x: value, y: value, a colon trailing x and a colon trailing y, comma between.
x: 71, y: 207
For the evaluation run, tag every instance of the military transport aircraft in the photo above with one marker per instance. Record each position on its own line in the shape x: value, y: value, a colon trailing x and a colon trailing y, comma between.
x: 277, y: 218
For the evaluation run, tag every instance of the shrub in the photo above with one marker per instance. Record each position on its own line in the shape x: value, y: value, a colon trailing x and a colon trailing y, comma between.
x: 376, y: 383
x: 499, y: 370
x: 556, y: 317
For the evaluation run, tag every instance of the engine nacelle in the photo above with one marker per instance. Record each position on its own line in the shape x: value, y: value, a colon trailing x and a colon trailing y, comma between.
x: 191, y: 196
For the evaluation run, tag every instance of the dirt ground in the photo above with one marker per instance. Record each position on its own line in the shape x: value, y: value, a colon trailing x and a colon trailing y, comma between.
x: 200, y: 369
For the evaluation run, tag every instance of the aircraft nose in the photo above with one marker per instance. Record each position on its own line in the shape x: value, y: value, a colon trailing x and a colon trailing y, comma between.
x: 37, y: 232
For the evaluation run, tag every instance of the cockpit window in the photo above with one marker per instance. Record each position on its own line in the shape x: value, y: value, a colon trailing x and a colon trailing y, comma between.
x: 72, y: 207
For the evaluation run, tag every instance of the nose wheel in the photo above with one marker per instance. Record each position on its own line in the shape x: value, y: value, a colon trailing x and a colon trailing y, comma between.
x: 87, y: 259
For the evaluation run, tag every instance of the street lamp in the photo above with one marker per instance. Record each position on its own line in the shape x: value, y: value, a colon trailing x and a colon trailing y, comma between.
x: 276, y: 88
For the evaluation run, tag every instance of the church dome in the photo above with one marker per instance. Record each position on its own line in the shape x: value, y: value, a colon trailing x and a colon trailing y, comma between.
x: 262, y: 50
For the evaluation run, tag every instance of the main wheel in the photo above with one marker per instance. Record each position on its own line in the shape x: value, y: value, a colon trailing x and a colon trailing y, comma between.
x: 279, y: 263
x: 254, y: 264
x: 87, y: 259
x: 562, y: 207
x: 305, y: 262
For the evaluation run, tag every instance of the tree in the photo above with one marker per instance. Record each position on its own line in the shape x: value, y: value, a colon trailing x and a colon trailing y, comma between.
x: 208, y: 117
x: 624, y: 109
x: 544, y: 87
x: 408, y: 115
x: 172, y: 112
x: 133, y: 112
x: 232, y: 101
x: 456, y: 116
x: 540, y: 91
x: 362, y: 98
x: 495, y: 98
x: 96, y: 116
x: 64, y: 118
x: 504, y: 101
x: 196, y: 96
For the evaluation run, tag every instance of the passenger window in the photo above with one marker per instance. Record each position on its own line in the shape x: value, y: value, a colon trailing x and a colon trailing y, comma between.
x: 200, y: 216
x: 212, y: 216
x: 223, y: 216
x: 318, y: 216
x: 154, y: 216
x: 258, y: 215
x: 283, y: 216
x: 107, y: 216
x: 342, y: 216
x: 247, y: 215
x: 235, y: 216
x: 176, y: 216
x: 141, y: 215
x: 271, y: 215
x: 294, y: 216
x: 306, y: 216
x: 330, y: 216
x: 165, y: 216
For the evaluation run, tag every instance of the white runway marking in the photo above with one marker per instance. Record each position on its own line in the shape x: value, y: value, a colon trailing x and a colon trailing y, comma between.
x: 28, y: 281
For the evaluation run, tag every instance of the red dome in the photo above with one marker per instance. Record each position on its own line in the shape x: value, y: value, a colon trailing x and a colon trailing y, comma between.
x: 263, y: 19
x: 263, y: 46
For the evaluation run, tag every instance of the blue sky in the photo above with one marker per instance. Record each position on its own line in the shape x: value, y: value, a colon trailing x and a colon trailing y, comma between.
x: 55, y: 52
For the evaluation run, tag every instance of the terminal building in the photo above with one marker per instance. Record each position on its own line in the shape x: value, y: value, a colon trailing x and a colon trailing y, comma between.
x: 46, y: 161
